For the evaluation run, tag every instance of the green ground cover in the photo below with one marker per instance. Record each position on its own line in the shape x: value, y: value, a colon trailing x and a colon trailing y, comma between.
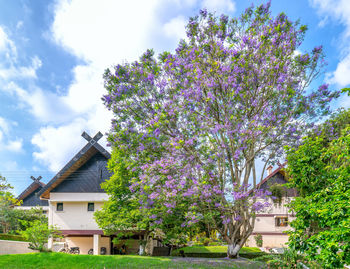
x: 217, y: 252
x: 62, y: 260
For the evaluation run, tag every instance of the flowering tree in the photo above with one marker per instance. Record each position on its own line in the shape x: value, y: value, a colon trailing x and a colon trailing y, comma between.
x: 194, y: 122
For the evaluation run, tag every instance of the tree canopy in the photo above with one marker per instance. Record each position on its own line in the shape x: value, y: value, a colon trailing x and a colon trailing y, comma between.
x: 320, y: 170
x: 193, y: 123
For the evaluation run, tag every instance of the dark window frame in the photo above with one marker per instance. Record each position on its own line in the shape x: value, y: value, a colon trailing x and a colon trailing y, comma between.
x: 59, y: 207
x: 281, y: 221
x: 89, y: 207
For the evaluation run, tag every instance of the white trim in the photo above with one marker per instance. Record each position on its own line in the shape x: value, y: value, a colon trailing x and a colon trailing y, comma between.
x: 78, y: 197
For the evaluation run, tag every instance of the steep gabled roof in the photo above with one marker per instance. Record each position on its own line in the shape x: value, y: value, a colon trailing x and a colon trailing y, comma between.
x: 279, y: 169
x: 30, y: 189
x: 271, y: 175
x: 88, y: 151
x: 276, y: 179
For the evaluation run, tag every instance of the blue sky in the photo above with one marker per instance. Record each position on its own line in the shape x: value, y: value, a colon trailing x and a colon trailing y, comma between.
x: 53, y: 53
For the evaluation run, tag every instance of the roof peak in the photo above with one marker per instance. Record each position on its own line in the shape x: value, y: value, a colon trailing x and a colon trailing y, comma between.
x: 77, y: 161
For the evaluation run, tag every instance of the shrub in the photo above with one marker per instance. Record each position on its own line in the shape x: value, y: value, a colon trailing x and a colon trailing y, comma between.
x: 12, y: 237
x: 258, y: 240
x: 38, y: 233
x: 206, y: 242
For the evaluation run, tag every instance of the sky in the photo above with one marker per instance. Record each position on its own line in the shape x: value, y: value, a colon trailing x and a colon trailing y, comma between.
x: 53, y: 54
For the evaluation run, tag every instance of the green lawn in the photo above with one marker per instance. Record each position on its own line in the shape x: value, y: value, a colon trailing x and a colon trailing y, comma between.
x: 62, y: 260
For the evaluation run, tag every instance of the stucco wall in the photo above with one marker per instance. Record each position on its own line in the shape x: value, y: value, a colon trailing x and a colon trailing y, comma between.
x: 74, y: 216
x: 14, y: 247
x: 278, y: 240
x: 86, y: 243
x: 267, y: 224
x: 276, y: 208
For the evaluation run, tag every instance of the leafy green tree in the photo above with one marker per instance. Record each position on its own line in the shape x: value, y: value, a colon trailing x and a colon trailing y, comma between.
x: 320, y: 170
x: 30, y: 215
x: 37, y: 233
x: 121, y: 213
x: 4, y: 186
x: 7, y: 203
x: 11, y: 217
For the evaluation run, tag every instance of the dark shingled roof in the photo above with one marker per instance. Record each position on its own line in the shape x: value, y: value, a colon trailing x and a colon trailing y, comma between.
x: 29, y: 197
x: 276, y: 177
x: 79, y: 166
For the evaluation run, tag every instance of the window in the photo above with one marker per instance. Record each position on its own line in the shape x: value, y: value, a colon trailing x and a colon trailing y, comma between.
x: 91, y: 207
x: 281, y: 221
x: 59, y: 207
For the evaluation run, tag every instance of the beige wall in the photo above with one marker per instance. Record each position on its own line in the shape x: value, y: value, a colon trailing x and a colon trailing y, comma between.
x: 276, y: 208
x: 269, y: 241
x: 86, y: 243
x: 74, y: 216
x: 14, y: 247
x: 265, y: 225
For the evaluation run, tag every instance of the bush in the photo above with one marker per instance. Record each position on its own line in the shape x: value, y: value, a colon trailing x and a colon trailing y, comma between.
x: 12, y: 237
x: 258, y: 240
x: 38, y: 233
x: 252, y: 255
x: 206, y: 242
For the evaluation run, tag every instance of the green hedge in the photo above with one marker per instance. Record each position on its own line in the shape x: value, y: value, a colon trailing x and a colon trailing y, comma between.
x: 12, y: 237
x: 222, y: 255
x: 217, y: 252
x: 253, y: 255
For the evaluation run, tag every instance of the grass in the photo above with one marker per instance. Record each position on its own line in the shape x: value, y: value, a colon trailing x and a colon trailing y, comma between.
x: 62, y: 260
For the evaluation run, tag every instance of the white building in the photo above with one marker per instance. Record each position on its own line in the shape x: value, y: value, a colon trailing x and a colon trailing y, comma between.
x: 74, y: 194
x: 273, y: 223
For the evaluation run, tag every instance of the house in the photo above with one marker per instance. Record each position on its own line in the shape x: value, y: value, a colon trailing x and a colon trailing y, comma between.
x: 30, y: 199
x: 273, y: 223
x: 74, y: 194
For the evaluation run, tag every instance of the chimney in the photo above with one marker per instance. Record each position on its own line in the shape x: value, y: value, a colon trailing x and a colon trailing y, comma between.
x: 269, y: 170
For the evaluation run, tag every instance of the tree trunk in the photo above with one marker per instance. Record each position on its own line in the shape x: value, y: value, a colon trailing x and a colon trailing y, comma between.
x: 232, y: 251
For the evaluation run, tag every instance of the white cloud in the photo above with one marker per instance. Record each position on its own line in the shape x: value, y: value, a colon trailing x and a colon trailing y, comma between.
x: 56, y: 144
x: 7, y: 144
x: 9, y: 67
x: 102, y: 34
x: 47, y: 107
x: 104, y: 31
x: 341, y: 75
x: 15, y: 145
x: 11, y: 71
x: 219, y: 6
x: 86, y: 90
x: 4, y: 125
x: 6, y: 45
x: 175, y: 28
x: 340, y: 11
